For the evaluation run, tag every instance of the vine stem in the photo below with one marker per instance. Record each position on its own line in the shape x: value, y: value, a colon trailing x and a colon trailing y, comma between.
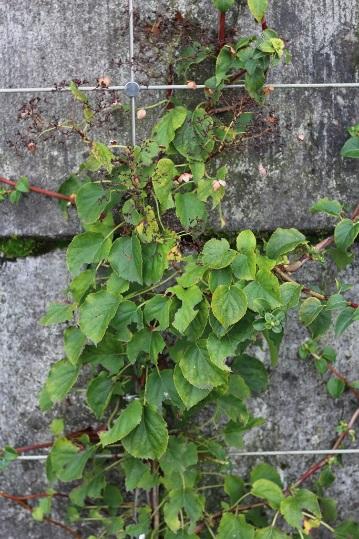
x: 291, y: 268
x: 287, y: 278
x: 319, y: 465
x: 221, y: 29
x: 19, y: 500
x: 41, y: 191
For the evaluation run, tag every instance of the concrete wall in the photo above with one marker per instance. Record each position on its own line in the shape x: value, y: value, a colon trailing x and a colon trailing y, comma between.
x: 46, y: 42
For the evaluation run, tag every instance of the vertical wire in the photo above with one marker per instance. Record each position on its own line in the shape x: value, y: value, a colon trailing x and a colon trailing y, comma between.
x: 132, y: 72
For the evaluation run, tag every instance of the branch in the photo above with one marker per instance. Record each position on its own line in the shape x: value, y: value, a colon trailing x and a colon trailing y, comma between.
x: 291, y: 268
x: 44, y: 192
x: 341, y: 377
x: 25, y: 505
x: 221, y: 29
x: 308, y: 291
x: 319, y: 465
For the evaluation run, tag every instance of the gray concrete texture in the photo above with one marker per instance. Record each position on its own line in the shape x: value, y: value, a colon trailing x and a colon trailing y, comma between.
x: 298, y: 412
x: 47, y: 42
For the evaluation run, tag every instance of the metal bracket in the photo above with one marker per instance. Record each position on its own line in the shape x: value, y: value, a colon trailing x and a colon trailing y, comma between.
x: 132, y: 89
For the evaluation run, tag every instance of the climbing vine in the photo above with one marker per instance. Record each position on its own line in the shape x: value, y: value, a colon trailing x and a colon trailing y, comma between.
x: 161, y: 322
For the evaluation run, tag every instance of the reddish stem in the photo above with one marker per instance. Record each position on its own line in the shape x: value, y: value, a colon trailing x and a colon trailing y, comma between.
x: 319, y: 465
x: 221, y: 29
x: 44, y: 192
x: 341, y: 377
x: 264, y: 24
x: 25, y: 505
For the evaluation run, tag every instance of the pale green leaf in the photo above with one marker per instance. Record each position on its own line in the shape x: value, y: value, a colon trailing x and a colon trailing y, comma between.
x: 126, y: 422
x: 229, y: 305
x: 96, y: 313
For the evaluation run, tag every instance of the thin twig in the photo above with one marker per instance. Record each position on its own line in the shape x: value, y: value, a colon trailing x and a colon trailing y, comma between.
x: 319, y: 465
x: 25, y: 505
x: 44, y: 192
x: 291, y: 268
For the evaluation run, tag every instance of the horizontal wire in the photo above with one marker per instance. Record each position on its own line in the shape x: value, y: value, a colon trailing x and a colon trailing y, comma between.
x: 308, y: 85
x: 240, y: 454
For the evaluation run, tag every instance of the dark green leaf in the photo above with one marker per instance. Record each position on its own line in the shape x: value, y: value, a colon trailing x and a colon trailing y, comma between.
x: 282, y: 241
x: 126, y: 258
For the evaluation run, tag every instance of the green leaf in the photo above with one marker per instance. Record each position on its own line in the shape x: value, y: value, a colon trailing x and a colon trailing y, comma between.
x: 86, y: 248
x: 100, y: 157
x: 107, y: 353
x: 7, y: 456
x: 258, y: 8
x: 126, y: 258
x: 290, y: 294
x: 67, y: 461
x: 62, y: 377
x: 264, y: 292
x: 351, y: 148
x: 310, y: 310
x: 179, y: 456
x: 147, y: 341
x: 137, y: 474
x: 220, y: 349
x: 81, y: 283
x: 165, y: 130
x: 244, y: 266
x: 238, y: 387
x: 150, y: 438
x: 347, y: 530
x: 218, y: 277
x: 335, y: 387
x: 269, y: 491
x: 197, y: 368
x: 189, y: 394
x: 345, y: 234
x: 234, y: 527
x: 253, y: 372
x: 162, y: 181
x: 99, y: 392
x: 246, y: 242
x: 265, y: 471
x: 126, y: 422
x: 188, y: 500
x: 96, y: 313
x: 274, y: 341
x: 189, y: 209
x: 190, y: 297
x: 157, y: 312
x: 235, y: 487
x: 325, y: 205
x: 58, y: 313
x: 217, y: 254
x: 160, y: 387
x: 22, y: 185
x: 282, y: 241
x: 223, y: 5
x: 112, y: 496
x: 74, y: 342
x: 291, y: 507
x: 270, y: 533
x: 229, y: 305
x: 91, y: 201
x: 78, y: 94
x: 345, y: 319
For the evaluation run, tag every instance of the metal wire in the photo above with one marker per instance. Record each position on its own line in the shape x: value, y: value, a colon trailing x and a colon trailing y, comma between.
x: 289, y: 86
x: 132, y: 71
x: 240, y: 454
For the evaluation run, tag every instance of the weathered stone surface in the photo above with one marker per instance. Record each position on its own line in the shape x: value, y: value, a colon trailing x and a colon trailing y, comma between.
x: 47, y: 44
x: 299, y: 413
